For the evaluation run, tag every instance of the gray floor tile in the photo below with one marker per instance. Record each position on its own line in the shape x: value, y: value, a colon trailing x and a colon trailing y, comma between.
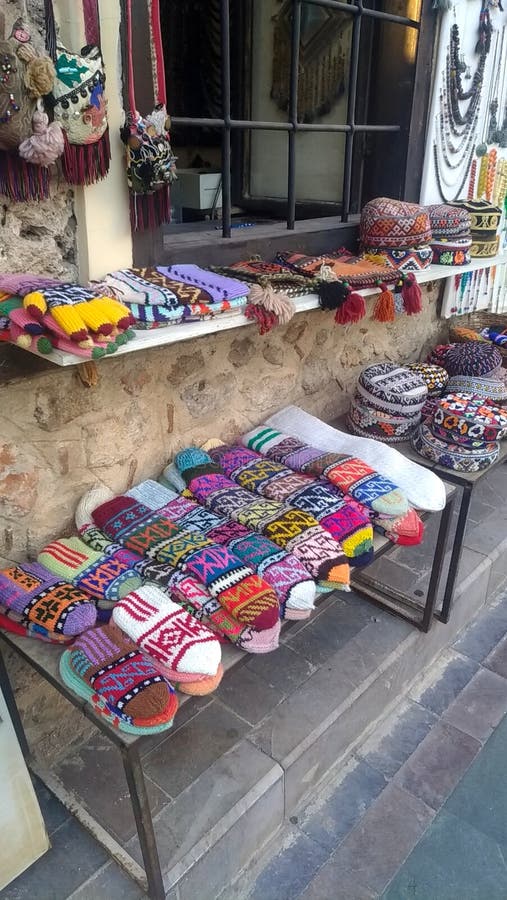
x: 484, y: 634
x: 338, y: 814
x: 73, y: 857
x: 95, y: 774
x: 487, y: 535
x: 284, y: 670
x: 290, y: 871
x: 480, y: 706
x: 453, y: 860
x: 323, y: 637
x: 454, y: 678
x: 439, y: 762
x: 481, y: 798
x: 249, y: 695
x: 497, y: 659
x: 388, y: 753
x: 176, y: 763
x: 111, y: 883
x: 332, y: 883
x: 186, y: 711
x: 53, y: 812
x: 377, y: 846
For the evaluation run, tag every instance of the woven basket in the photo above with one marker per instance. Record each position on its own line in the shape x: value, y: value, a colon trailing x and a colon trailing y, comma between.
x: 476, y: 322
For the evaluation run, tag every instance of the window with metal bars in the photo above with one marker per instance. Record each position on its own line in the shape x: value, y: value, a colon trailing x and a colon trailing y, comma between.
x: 336, y: 79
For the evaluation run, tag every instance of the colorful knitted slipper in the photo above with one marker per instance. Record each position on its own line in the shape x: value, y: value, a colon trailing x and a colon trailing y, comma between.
x: 172, y: 637
x: 275, y: 481
x: 109, y: 671
x: 11, y: 623
x: 239, y: 590
x: 291, y: 529
x: 40, y: 598
x: 287, y: 576
x: 106, y: 576
x: 350, y: 474
x: 422, y: 488
x: 190, y: 594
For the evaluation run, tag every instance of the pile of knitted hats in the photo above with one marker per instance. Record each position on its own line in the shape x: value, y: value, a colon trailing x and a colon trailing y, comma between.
x: 387, y: 403
x: 474, y: 367
x: 399, y: 232
x: 452, y: 239
x: 484, y: 224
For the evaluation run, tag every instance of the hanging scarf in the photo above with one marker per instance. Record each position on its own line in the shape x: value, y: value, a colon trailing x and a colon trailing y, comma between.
x: 78, y: 99
x: 149, y: 157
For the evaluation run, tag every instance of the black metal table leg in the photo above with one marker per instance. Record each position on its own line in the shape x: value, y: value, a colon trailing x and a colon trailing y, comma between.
x: 5, y: 685
x: 438, y: 561
x: 457, y: 550
x: 144, y: 821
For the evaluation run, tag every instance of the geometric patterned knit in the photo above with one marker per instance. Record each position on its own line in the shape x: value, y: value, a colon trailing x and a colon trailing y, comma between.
x: 51, y: 606
x: 184, y: 649
x: 350, y: 474
x: 291, y: 529
x: 189, y: 594
x: 392, y: 389
x: 121, y: 682
x: 218, y: 286
x: 451, y: 456
x: 287, y: 576
x: 246, y: 596
x: 472, y: 358
x: 277, y: 482
x: 486, y: 388
x: 467, y: 421
x: 106, y: 576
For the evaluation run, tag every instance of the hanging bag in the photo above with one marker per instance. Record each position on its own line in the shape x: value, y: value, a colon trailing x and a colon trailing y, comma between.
x: 79, y: 101
x: 25, y: 76
x: 150, y: 161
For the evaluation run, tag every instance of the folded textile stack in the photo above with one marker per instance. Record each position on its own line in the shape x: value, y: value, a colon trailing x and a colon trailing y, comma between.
x: 169, y: 295
x: 44, y: 605
x: 387, y: 403
x: 462, y: 434
x: 452, y: 239
x: 398, y: 231
x: 484, y: 225
x: 108, y: 670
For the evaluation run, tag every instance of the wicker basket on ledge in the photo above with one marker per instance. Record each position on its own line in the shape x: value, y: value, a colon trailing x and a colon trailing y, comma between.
x: 476, y: 322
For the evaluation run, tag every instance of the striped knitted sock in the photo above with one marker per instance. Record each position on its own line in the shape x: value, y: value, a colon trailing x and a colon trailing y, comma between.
x: 291, y: 529
x: 107, y: 669
x: 351, y: 475
x: 277, y: 482
x: 246, y: 596
x: 287, y: 576
x: 106, y: 576
x: 192, y: 596
x: 39, y: 598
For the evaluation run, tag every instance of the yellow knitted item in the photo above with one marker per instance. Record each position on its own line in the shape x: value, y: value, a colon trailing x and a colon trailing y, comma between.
x: 69, y: 318
x: 35, y: 300
x: 111, y: 308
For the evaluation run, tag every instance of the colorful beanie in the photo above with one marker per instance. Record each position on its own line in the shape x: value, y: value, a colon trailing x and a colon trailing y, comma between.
x: 467, y: 421
x: 391, y: 388
x: 448, y: 221
x: 493, y: 388
x: 434, y: 377
x: 367, y: 421
x: 452, y: 456
x: 472, y: 358
x: 394, y: 223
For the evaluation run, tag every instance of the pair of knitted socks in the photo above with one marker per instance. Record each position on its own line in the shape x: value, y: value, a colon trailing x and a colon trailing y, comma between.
x: 291, y: 529
x: 289, y: 579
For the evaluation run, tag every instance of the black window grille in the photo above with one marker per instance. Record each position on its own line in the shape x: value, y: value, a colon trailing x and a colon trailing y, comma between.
x: 227, y: 125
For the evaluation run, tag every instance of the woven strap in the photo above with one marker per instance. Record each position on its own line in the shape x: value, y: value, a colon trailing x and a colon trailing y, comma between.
x: 158, y: 54
x: 91, y: 17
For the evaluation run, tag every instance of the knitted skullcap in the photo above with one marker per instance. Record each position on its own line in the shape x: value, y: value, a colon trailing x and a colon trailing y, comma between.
x: 492, y: 388
x: 468, y: 421
x: 434, y: 377
x: 93, y: 498
x: 392, y: 388
x: 472, y: 358
x: 449, y: 221
x: 451, y: 456
x: 190, y: 458
x: 394, y: 223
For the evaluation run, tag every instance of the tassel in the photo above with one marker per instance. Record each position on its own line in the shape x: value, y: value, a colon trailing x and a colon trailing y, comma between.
x: 149, y: 211
x: 265, y: 319
x: 352, y: 310
x: 412, y: 297
x: 332, y: 294
x: 86, y: 163
x: 21, y: 181
x: 277, y: 302
x: 384, y: 308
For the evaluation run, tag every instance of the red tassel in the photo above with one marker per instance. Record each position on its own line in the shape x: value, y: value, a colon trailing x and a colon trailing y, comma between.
x: 265, y: 319
x: 149, y: 211
x: 86, y: 163
x: 412, y: 297
x: 21, y: 181
x: 352, y: 310
x: 384, y: 308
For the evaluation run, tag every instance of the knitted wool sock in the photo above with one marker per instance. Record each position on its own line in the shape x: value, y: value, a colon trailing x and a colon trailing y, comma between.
x: 106, y: 576
x: 246, y: 596
x: 423, y: 488
x: 172, y: 637
x: 32, y: 593
x: 78, y: 311
x: 11, y: 622
x: 350, y: 474
x: 291, y: 529
x: 191, y: 595
x: 277, y: 482
x: 107, y: 669
x: 287, y: 576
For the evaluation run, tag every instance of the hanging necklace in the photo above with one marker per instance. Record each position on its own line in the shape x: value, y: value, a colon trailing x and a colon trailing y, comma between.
x: 493, y: 133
